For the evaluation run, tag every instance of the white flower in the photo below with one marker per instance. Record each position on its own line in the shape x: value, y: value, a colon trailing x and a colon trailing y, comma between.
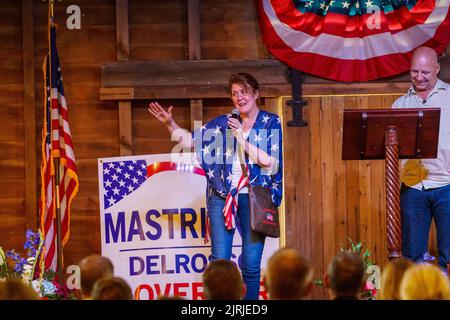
x: 36, y: 285
x: 2, y: 256
x: 27, y: 274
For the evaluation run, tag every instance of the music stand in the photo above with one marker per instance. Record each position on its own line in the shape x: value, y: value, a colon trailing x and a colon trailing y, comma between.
x: 391, y: 134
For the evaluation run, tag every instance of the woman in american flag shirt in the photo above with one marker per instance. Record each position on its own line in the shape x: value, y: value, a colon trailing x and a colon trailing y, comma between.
x: 257, y: 134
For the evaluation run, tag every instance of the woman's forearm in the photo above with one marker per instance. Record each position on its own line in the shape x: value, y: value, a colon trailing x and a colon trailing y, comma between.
x: 182, y: 136
x: 257, y: 155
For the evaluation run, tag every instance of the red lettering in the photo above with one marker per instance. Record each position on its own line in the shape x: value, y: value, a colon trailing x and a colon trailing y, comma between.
x: 196, y: 294
x: 166, y: 289
x: 141, y: 287
x: 263, y: 292
x: 177, y: 287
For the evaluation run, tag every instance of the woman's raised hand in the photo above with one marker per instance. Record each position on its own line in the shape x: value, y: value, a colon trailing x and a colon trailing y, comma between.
x: 159, y: 113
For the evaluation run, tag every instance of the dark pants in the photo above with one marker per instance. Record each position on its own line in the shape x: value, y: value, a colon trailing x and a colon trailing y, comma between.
x: 419, y: 207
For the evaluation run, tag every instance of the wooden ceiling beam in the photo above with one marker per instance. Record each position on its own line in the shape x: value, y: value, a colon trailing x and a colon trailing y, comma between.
x: 194, y: 79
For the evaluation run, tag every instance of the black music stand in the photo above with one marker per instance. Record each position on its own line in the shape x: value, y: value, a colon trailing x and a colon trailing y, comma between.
x: 391, y: 134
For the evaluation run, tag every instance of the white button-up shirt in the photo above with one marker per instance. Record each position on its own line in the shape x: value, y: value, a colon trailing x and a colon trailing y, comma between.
x: 429, y: 173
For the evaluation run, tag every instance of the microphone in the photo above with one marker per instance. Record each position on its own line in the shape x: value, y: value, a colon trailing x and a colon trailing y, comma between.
x: 235, y: 114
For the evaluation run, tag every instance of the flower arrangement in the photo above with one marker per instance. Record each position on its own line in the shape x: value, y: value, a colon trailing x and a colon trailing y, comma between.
x: 13, y: 266
x: 369, y: 291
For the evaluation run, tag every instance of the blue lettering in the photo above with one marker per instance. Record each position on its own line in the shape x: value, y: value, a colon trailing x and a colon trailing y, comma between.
x: 120, y: 227
x: 170, y: 213
x: 153, y: 224
x: 203, y: 261
x: 141, y: 263
x: 188, y: 223
x: 135, y: 226
x: 163, y: 265
x: 151, y: 264
x: 182, y: 260
x: 203, y: 221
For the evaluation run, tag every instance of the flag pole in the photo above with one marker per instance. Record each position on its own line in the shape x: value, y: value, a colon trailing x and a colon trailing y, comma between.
x: 57, y: 177
x: 59, y: 247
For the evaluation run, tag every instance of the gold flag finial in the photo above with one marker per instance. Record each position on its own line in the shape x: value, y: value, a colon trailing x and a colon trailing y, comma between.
x: 51, y: 3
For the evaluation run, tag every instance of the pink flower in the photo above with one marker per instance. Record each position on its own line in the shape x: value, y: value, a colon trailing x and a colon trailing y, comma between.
x: 369, y: 286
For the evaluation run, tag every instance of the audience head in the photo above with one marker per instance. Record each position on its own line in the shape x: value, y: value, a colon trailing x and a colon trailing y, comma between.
x: 93, y: 268
x: 111, y: 289
x: 392, y: 276
x: 289, y: 275
x: 424, y: 282
x: 346, y: 275
x: 16, y: 290
x: 222, y: 281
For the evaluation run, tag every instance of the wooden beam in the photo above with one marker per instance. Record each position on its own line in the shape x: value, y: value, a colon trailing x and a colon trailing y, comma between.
x: 193, y: 79
x: 123, y: 53
x: 116, y: 93
x: 195, y: 53
x: 196, y: 109
x: 29, y: 115
x: 188, y: 72
x: 195, y: 48
x: 126, y: 145
x: 269, y: 90
x: 122, y: 35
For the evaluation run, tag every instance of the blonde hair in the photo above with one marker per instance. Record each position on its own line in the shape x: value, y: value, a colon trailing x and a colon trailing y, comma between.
x: 391, y: 278
x: 424, y: 282
x: 114, y: 288
x: 16, y: 290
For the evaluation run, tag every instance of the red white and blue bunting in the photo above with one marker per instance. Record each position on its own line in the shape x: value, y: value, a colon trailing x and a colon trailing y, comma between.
x: 353, y: 40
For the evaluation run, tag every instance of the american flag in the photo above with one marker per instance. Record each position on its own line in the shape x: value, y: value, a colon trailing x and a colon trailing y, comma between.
x: 121, y: 178
x: 56, y: 143
x: 353, y: 40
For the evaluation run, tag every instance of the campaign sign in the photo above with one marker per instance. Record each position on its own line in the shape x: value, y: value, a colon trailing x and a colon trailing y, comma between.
x: 153, y: 224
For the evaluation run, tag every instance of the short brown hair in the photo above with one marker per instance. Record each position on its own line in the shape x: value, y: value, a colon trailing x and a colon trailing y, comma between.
x: 246, y: 80
x: 222, y: 281
x: 289, y: 275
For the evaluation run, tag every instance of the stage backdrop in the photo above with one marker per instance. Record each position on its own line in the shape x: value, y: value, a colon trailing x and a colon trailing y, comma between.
x: 153, y: 224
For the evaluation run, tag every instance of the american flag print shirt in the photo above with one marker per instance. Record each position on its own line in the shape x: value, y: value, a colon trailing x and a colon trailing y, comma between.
x: 215, y: 145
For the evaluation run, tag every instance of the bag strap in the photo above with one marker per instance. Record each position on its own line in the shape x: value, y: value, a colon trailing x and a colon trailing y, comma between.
x: 240, y: 152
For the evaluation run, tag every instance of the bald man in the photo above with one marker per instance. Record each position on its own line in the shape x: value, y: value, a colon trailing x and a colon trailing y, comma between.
x: 425, y: 191
x: 93, y: 268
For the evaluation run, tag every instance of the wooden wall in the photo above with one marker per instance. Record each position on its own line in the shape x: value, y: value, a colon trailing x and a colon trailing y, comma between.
x: 327, y: 200
x: 12, y: 139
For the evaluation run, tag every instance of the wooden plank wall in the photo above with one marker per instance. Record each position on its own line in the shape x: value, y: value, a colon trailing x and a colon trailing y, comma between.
x: 12, y: 139
x: 327, y: 200
x: 94, y: 124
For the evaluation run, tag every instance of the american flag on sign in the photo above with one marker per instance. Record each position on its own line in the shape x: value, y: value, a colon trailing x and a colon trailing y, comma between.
x: 122, y: 178
x: 56, y: 143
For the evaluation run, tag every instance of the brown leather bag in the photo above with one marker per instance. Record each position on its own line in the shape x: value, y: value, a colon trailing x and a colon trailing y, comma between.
x: 264, y: 217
